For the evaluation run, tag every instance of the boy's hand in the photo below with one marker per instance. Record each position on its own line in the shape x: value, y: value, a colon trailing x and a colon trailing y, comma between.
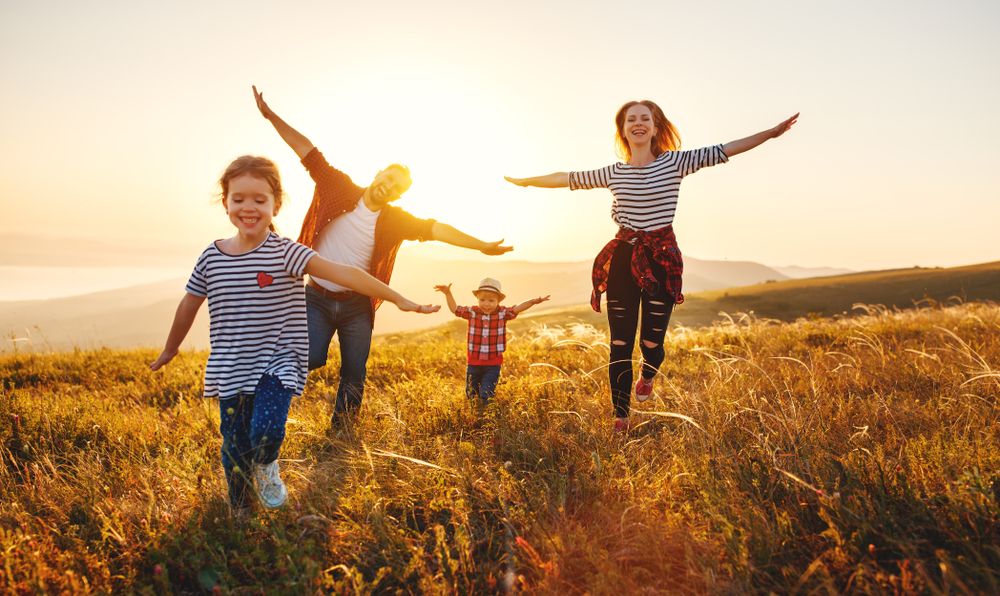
x: 165, y: 357
x: 411, y: 306
x: 540, y: 299
x: 444, y: 289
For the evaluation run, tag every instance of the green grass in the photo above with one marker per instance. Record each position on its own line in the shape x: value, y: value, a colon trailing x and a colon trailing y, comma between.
x: 852, y: 454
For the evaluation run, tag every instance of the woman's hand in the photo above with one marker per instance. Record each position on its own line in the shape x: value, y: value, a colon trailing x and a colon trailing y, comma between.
x: 265, y: 111
x: 165, y: 357
x: 495, y: 248
x: 411, y: 306
x: 782, y: 128
x: 517, y: 181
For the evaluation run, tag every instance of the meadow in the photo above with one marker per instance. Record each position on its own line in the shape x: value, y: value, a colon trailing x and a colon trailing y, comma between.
x: 854, y: 453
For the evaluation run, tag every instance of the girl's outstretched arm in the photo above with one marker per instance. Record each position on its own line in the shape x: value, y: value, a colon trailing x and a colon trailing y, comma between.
x: 529, y: 303
x: 363, y: 283
x: 446, y: 290
x: 296, y: 140
x: 736, y: 147
x: 554, y: 180
x: 183, y: 319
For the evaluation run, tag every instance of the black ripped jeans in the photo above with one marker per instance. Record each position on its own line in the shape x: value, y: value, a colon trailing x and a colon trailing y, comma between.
x: 624, y: 299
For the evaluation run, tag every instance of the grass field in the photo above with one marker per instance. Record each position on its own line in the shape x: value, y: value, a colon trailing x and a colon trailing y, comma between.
x: 852, y: 454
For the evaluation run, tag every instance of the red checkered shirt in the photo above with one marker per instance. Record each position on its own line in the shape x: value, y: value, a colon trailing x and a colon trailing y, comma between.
x: 487, y: 333
x: 654, y: 246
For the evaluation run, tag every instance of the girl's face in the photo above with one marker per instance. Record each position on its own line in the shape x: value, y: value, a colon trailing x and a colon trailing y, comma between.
x: 639, y: 126
x: 250, y: 204
x: 488, y: 301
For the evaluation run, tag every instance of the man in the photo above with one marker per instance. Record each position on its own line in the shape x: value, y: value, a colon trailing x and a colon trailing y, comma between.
x: 357, y: 226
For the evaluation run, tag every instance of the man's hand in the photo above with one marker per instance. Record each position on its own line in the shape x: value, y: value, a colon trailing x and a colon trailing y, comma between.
x: 265, y: 111
x: 411, y: 306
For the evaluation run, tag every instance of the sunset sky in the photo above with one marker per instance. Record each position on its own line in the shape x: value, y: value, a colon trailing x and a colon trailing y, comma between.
x: 118, y: 117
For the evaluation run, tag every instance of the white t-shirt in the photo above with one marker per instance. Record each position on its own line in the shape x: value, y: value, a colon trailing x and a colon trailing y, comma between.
x: 349, y: 239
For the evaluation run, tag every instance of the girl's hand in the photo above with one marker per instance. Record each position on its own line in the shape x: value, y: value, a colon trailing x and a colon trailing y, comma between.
x: 782, y: 128
x: 517, y: 181
x: 411, y: 306
x: 165, y: 357
x: 443, y: 289
x: 265, y: 111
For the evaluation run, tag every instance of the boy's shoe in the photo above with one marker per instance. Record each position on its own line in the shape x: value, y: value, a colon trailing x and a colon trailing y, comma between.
x: 270, y: 489
x: 621, y: 425
x: 643, y: 388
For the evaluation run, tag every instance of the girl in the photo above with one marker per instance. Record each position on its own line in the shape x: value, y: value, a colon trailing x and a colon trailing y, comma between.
x: 642, y: 264
x: 259, y: 339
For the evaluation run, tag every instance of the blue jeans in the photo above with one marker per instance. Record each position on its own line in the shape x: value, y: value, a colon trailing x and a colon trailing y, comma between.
x: 252, y: 427
x: 351, y: 320
x: 481, y: 381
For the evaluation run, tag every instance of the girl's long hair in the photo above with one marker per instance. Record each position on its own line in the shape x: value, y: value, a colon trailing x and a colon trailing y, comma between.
x: 667, y: 138
x: 258, y: 167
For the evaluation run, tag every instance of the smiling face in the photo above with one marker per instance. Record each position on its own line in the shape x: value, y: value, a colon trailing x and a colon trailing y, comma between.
x: 639, y: 127
x: 250, y: 204
x: 488, y: 301
x: 389, y: 185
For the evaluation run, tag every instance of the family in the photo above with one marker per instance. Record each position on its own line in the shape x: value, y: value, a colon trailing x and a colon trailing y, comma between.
x: 269, y: 326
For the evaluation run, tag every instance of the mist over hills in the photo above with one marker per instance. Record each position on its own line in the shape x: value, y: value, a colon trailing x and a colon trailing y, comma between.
x: 140, y: 315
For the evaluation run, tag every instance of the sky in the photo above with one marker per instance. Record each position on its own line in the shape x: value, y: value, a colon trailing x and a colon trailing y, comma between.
x: 117, y: 119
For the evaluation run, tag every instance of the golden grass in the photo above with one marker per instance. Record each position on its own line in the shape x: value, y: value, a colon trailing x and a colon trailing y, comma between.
x: 858, y: 454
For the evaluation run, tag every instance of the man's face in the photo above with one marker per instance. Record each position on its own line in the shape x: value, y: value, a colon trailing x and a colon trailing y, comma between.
x: 388, y: 185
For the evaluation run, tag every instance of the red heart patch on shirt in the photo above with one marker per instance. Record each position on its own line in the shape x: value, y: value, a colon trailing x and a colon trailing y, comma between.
x: 264, y: 280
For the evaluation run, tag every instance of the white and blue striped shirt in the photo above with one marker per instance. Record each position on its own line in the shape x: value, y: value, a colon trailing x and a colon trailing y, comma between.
x: 645, y: 197
x: 257, y: 312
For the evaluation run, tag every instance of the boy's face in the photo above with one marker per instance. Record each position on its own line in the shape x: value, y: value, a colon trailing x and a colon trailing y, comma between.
x: 488, y: 301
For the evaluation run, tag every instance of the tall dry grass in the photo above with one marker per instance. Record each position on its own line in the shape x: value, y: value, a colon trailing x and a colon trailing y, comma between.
x: 859, y: 454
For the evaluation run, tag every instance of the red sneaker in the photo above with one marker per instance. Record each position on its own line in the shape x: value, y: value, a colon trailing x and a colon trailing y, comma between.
x: 643, y: 388
x: 621, y: 425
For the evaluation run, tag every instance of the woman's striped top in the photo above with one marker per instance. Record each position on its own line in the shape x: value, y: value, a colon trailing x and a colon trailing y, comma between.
x: 257, y: 312
x: 645, y: 197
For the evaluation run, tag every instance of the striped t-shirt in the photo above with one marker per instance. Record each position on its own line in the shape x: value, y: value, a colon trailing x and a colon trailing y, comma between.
x: 257, y: 313
x: 645, y: 197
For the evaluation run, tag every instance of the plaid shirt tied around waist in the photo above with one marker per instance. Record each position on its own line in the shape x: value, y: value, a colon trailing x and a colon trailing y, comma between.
x: 487, y: 332
x: 653, y: 246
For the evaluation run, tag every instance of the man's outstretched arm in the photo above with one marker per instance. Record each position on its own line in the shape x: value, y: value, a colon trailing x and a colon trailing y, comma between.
x: 296, y: 140
x: 444, y: 233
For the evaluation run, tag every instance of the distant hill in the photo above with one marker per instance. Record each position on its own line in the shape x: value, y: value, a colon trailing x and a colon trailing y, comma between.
x: 141, y: 315
x: 796, y: 272
x: 827, y: 296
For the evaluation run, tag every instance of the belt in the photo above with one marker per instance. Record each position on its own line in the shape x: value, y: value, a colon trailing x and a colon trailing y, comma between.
x: 338, y: 296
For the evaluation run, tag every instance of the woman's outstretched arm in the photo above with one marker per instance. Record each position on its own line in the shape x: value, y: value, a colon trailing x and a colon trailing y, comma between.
x: 554, y: 180
x: 296, y: 140
x: 745, y: 144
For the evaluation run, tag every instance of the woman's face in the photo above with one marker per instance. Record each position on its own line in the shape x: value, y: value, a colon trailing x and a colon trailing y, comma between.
x: 639, y: 128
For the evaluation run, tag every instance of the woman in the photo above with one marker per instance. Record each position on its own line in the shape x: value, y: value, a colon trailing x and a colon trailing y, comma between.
x: 642, y: 265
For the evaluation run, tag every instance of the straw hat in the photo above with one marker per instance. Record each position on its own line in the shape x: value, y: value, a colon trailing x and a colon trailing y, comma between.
x: 489, y: 285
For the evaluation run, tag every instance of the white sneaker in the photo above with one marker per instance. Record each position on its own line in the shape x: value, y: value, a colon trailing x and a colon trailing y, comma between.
x: 270, y: 489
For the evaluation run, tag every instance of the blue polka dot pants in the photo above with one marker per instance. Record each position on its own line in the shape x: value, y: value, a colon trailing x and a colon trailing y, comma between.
x: 252, y: 427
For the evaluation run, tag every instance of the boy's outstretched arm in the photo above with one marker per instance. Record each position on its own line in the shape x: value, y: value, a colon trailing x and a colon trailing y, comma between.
x: 529, y: 303
x: 183, y: 319
x: 446, y: 290
x: 442, y: 232
x: 363, y: 283
x: 296, y: 140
